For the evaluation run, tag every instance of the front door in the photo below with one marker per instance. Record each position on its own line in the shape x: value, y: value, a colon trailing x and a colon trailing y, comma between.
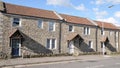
x: 16, y: 44
x: 71, y: 47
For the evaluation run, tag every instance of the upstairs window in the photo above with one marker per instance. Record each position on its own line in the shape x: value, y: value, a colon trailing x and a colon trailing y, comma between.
x: 102, y: 32
x: 110, y: 33
x: 40, y: 23
x: 51, y: 26
x: 16, y: 22
x: 71, y: 28
x: 86, y: 30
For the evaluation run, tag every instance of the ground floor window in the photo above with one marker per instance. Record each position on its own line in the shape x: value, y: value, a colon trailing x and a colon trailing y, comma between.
x: 90, y: 44
x: 51, y: 43
x: 116, y: 46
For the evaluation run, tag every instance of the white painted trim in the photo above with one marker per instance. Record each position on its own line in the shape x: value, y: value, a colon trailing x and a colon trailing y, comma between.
x: 54, y: 26
x: 72, y: 28
x: 60, y: 17
x: 20, y: 47
x: 92, y: 22
x: 41, y: 24
x: 71, y: 47
x: 20, y: 22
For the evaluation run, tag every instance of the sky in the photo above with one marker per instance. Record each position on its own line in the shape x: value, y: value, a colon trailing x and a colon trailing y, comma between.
x: 102, y: 10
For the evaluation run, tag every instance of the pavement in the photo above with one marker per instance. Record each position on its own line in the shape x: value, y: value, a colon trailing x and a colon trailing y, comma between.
x: 29, y: 61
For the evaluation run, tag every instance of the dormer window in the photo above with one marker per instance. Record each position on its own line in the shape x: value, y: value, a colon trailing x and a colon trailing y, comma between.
x: 16, y: 22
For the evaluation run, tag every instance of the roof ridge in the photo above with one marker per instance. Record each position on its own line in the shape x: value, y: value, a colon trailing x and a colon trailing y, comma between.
x: 72, y: 15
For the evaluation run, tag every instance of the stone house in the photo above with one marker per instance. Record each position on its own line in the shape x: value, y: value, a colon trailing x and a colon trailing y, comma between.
x: 26, y: 30
x: 78, y: 35
x: 32, y: 31
x: 107, y: 37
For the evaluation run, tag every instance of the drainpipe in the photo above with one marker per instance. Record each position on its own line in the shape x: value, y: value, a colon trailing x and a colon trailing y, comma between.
x: 60, y: 35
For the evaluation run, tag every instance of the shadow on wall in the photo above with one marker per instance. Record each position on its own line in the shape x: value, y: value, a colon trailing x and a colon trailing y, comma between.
x: 81, y: 45
x: 110, y: 47
x: 85, y: 48
x: 34, y: 46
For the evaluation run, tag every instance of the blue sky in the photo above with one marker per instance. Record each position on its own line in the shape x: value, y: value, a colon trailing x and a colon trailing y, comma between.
x: 93, y: 9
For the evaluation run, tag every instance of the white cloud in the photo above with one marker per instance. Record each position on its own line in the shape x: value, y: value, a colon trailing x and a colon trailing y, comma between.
x: 100, y: 2
x: 99, y: 14
x: 80, y: 7
x: 117, y: 14
x: 113, y: 1
x: 110, y: 20
x: 66, y: 3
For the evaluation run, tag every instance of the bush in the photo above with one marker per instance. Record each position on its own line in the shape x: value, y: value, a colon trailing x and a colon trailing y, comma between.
x: 46, y: 55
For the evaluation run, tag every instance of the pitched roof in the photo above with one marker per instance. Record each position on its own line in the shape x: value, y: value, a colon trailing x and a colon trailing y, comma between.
x: 70, y: 36
x: 28, y: 11
x: 76, y: 20
x: 106, y: 25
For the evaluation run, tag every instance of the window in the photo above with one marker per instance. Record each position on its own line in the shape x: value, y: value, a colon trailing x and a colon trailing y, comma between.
x: 40, y: 24
x: 51, y: 43
x: 116, y: 34
x: 86, y: 30
x: 71, y: 28
x: 48, y: 43
x: 116, y: 46
x: 16, y: 22
x: 90, y: 44
x: 110, y: 33
x: 102, y: 44
x: 51, y: 26
x: 102, y: 32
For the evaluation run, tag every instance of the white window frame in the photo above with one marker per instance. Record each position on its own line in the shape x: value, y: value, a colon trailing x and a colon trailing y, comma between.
x: 13, y: 22
x: 117, y: 46
x: 86, y: 30
x: 102, y: 44
x: 90, y: 44
x: 116, y: 34
x: 50, y: 46
x: 53, y: 26
x: 40, y: 21
x: 110, y: 33
x: 102, y: 32
x: 72, y: 28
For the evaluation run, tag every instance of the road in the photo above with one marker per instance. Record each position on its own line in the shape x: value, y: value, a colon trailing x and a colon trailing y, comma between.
x: 104, y: 63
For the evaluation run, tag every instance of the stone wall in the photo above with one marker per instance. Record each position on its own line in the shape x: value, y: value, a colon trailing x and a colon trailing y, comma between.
x: 34, y: 38
x: 111, y: 46
x: 78, y: 29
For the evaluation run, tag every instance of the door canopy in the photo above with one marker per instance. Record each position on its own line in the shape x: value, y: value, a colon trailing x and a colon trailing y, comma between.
x: 16, y: 34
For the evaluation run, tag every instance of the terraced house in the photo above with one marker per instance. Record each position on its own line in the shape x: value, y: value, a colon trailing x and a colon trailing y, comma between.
x: 107, y: 37
x: 26, y: 30
x: 78, y: 34
x: 32, y: 31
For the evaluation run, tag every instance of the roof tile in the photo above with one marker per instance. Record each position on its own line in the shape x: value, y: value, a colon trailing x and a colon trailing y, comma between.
x: 76, y: 20
x: 28, y: 11
x: 106, y: 25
